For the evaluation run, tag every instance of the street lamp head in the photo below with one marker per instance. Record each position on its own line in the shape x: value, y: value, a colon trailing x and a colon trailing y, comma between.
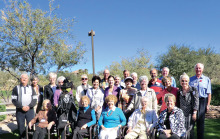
x: 91, y: 33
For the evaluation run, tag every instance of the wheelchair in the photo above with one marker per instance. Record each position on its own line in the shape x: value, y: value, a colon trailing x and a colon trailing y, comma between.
x: 50, y: 133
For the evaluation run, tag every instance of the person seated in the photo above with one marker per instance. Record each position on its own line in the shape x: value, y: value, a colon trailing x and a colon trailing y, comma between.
x: 111, y: 119
x: 85, y: 118
x: 47, y: 118
x: 142, y: 121
x: 171, y: 123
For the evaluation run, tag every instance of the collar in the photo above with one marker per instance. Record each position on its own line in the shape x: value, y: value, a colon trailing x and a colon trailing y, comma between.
x: 24, y: 86
x: 201, y: 77
x: 113, y: 109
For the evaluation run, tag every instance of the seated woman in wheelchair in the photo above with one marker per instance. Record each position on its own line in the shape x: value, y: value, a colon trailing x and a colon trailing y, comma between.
x: 171, y: 123
x: 142, y: 121
x: 111, y: 119
x: 85, y: 118
x: 47, y: 118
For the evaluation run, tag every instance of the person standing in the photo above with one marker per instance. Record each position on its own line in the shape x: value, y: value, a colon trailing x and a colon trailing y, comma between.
x: 50, y: 89
x: 165, y: 73
x: 135, y: 84
x: 104, y: 81
x: 203, y: 85
x: 24, y: 98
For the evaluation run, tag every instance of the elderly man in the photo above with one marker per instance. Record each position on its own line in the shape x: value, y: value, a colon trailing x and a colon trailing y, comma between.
x: 203, y: 85
x: 104, y: 81
x: 135, y: 84
x: 118, y: 82
x: 24, y: 98
x: 82, y: 89
x: 165, y: 73
x: 155, y: 83
x: 126, y: 74
x: 144, y: 91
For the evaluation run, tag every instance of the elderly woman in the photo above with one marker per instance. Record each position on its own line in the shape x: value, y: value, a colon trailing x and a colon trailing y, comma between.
x: 50, y: 89
x: 145, y: 91
x: 58, y: 90
x: 142, y: 121
x: 166, y: 81
x: 111, y: 119
x: 171, y: 123
x: 85, y: 118
x: 82, y: 89
x: 39, y: 92
x: 111, y: 89
x: 96, y: 96
x: 46, y: 118
x: 188, y: 101
x: 126, y: 95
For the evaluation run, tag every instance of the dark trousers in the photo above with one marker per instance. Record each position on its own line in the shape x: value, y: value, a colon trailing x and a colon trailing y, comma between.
x: 80, y: 133
x: 21, y: 116
x: 173, y: 136
x: 201, y: 118
x: 39, y: 133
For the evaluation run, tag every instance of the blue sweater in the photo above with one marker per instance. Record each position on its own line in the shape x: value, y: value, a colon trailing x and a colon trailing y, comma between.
x: 113, y: 120
x: 93, y: 116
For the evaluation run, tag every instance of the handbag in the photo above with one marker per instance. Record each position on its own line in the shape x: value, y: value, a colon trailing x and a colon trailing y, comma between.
x: 62, y: 120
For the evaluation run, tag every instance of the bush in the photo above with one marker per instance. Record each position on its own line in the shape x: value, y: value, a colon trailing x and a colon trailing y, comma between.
x: 215, y: 95
x: 2, y: 109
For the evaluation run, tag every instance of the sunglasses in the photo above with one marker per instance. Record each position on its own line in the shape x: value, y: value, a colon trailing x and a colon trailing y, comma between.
x: 184, y: 81
x: 84, y: 78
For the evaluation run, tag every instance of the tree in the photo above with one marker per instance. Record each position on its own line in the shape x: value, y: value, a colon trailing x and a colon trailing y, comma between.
x: 139, y: 64
x: 34, y: 41
x: 180, y: 59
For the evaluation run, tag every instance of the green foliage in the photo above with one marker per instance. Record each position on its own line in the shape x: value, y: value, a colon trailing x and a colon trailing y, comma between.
x: 139, y: 64
x: 180, y: 59
x: 35, y: 41
x: 215, y: 95
x: 2, y: 109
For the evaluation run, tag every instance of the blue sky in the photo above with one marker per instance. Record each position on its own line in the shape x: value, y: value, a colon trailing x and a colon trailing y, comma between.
x: 123, y: 26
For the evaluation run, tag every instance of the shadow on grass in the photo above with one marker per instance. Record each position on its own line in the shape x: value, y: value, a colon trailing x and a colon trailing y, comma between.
x: 212, y: 128
x: 13, y: 135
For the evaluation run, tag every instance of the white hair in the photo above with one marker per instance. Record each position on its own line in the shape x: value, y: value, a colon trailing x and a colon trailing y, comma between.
x: 116, y: 76
x: 134, y: 74
x: 166, y: 68
x: 142, y: 78
x: 52, y: 75
x: 144, y: 98
x: 184, y: 75
x: 23, y: 75
x: 60, y: 79
x: 202, y: 65
x: 84, y: 75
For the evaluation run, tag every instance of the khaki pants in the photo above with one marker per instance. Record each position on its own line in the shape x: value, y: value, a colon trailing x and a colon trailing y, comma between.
x: 134, y: 135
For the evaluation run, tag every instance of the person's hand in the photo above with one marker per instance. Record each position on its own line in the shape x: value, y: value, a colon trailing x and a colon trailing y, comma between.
x: 207, y: 107
x: 84, y: 126
x: 49, y: 126
x: 167, y: 132
x: 97, y: 109
x: 129, y: 130
x: 27, y: 108
x: 103, y: 128
x: 29, y: 125
x: 194, y: 116
x: 24, y: 108
x: 148, y: 131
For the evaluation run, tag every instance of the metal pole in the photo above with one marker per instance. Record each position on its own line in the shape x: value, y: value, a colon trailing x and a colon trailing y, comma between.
x: 92, y: 33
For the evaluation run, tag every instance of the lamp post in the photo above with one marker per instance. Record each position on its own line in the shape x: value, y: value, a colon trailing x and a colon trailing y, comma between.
x: 92, y: 33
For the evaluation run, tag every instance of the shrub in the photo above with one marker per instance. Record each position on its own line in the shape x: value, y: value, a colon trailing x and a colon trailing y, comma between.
x: 215, y: 95
x: 2, y: 109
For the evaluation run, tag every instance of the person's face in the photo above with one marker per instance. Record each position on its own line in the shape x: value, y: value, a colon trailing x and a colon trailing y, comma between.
x: 199, y: 69
x: 126, y: 74
x: 111, y: 104
x: 117, y: 81
x: 128, y: 83
x: 144, y: 103
x: 35, y: 82
x: 111, y: 81
x: 84, y: 80
x: 96, y: 84
x: 144, y: 85
x: 153, y: 74
x: 60, y: 83
x: 134, y: 78
x: 170, y: 103
x: 85, y: 103
x: 184, y: 82
x: 168, y: 83
x: 47, y: 105
x: 165, y: 72
x: 106, y: 74
x: 24, y: 79
x: 52, y: 80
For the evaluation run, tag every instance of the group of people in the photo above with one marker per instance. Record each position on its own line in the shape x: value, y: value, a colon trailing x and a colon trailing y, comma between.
x: 113, y: 103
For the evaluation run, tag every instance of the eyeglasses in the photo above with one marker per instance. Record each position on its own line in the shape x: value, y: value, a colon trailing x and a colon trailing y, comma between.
x: 84, y: 78
x: 184, y: 81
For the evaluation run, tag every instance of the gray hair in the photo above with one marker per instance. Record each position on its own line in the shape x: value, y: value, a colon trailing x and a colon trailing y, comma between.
x: 116, y: 76
x: 166, y: 68
x: 169, y: 95
x: 84, y: 75
x: 24, y: 74
x: 153, y: 69
x: 142, y: 78
x: 134, y: 74
x: 61, y: 78
x: 202, y: 65
x: 52, y: 75
x: 184, y: 75
x: 34, y: 78
x: 144, y: 98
